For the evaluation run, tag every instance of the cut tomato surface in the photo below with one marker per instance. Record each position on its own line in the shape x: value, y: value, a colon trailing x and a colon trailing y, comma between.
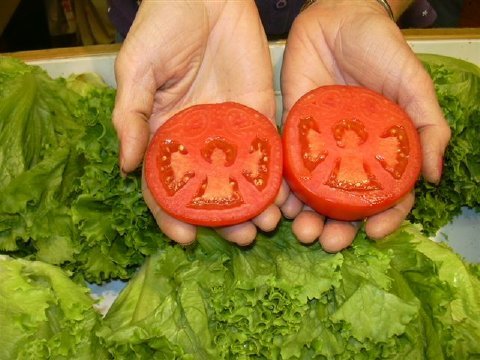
x: 215, y: 164
x: 349, y: 152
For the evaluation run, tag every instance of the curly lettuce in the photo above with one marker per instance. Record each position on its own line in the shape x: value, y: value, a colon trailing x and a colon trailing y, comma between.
x: 457, y: 84
x: 44, y: 314
x: 63, y: 199
x: 405, y: 297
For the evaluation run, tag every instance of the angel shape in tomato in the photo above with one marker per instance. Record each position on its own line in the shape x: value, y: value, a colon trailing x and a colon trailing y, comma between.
x: 349, y: 152
x: 215, y: 164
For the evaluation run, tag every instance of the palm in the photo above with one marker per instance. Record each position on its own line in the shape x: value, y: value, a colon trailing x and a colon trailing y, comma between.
x: 224, y: 59
x: 353, y: 50
x: 231, y: 66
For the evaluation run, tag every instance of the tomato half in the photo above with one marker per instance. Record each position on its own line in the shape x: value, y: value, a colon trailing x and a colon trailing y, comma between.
x: 215, y: 164
x: 349, y: 152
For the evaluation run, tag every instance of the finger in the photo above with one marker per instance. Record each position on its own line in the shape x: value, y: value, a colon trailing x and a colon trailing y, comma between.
x: 307, y: 226
x: 268, y: 219
x: 434, y: 140
x: 180, y: 232
x: 383, y: 224
x: 418, y: 98
x: 241, y: 234
x: 291, y: 207
x: 143, y: 66
x: 337, y: 235
x: 176, y: 230
x: 133, y: 136
x: 133, y: 107
x: 283, y: 193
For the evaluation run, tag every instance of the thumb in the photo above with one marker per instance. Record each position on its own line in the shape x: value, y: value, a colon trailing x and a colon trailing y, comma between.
x: 133, y: 107
x: 421, y: 104
x: 434, y: 139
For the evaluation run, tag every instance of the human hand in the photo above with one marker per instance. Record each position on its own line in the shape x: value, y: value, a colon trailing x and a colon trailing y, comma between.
x: 182, y: 53
x: 356, y: 43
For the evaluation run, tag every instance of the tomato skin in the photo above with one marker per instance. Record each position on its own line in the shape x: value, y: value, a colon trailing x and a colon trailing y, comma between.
x: 215, y: 164
x: 349, y: 152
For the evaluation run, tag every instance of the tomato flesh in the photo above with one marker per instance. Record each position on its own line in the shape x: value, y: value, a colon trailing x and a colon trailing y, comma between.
x: 215, y: 164
x: 349, y: 152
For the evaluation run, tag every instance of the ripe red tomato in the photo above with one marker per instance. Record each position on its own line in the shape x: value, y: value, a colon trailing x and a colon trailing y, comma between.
x: 349, y: 152
x: 215, y: 164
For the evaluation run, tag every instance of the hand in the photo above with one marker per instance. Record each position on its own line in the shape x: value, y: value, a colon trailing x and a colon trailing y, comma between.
x: 356, y: 43
x: 182, y: 53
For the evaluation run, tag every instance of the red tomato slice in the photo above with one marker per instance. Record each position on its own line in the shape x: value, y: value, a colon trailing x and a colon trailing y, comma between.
x: 215, y: 164
x: 349, y: 152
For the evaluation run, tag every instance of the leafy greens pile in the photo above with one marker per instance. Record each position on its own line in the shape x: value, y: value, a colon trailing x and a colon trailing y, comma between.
x: 63, y: 199
x: 457, y: 84
x: 405, y: 297
x: 64, y: 203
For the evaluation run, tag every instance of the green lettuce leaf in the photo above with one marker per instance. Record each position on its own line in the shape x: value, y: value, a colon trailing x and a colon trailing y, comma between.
x: 44, y: 314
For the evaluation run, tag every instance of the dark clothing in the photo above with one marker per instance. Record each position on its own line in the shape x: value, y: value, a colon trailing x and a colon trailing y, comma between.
x: 122, y: 13
x: 277, y: 15
x: 420, y: 15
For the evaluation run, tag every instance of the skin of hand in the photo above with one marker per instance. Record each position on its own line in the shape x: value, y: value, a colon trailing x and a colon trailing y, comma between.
x: 356, y: 43
x: 182, y: 53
